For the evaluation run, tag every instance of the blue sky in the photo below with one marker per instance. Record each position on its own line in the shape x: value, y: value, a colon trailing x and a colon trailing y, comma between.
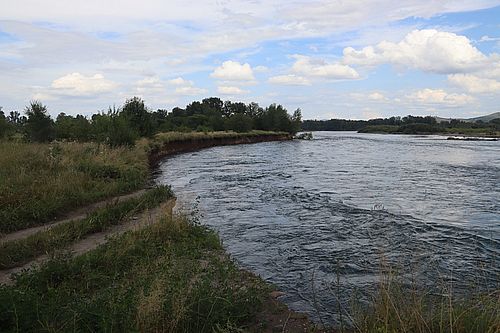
x: 333, y: 59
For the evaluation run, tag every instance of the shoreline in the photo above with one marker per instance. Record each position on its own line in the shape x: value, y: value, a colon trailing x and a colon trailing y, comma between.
x: 274, y: 314
x: 161, y: 150
x: 444, y: 134
x: 270, y: 316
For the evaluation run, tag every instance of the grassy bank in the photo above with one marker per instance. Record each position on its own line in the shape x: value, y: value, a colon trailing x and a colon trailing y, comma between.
x: 172, y: 276
x: 168, y: 137
x: 424, y: 129
x: 19, y: 252
x: 40, y: 181
x: 398, y: 306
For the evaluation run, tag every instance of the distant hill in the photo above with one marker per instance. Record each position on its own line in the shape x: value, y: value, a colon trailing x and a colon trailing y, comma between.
x: 472, y: 120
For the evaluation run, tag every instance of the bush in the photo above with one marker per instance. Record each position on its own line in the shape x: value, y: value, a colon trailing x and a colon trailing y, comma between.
x: 39, y: 126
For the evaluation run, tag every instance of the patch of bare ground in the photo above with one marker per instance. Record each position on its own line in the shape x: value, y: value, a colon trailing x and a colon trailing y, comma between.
x: 70, y: 217
x: 276, y: 317
x: 94, y: 240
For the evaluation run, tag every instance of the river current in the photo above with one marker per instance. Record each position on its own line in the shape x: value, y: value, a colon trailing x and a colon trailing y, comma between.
x: 321, y: 219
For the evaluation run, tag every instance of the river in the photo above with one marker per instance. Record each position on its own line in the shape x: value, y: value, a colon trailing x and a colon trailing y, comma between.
x: 321, y: 219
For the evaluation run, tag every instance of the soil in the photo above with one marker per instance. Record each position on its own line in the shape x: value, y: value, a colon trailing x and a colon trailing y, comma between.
x: 73, y: 216
x: 94, y: 240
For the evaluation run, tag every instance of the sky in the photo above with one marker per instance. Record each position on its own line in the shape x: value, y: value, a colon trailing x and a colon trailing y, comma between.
x: 352, y: 59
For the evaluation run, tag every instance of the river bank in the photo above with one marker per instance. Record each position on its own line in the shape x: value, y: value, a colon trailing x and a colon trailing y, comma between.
x: 158, y: 276
x: 171, y: 273
x: 429, y: 130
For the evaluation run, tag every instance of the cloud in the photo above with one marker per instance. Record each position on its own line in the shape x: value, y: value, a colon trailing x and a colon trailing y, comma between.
x: 150, y: 85
x: 261, y: 69
x: 290, y: 79
x: 487, y: 38
x: 233, y: 71
x: 441, y: 97
x: 428, y: 50
x: 76, y: 84
x: 376, y: 96
x: 190, y: 91
x: 474, y: 84
x: 179, y: 81
x: 186, y: 87
x: 229, y: 90
x: 319, y: 68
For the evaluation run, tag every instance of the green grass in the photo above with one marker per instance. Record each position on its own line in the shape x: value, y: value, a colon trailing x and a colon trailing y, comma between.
x: 41, y: 181
x: 18, y: 252
x: 172, y: 276
x: 167, y: 137
x: 428, y: 129
x: 401, y: 307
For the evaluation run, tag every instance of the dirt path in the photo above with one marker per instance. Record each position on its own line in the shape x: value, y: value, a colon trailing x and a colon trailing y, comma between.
x: 78, y: 214
x: 94, y: 240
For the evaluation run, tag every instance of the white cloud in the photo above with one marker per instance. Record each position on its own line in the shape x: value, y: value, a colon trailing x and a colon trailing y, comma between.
x: 441, y: 97
x: 190, y: 91
x: 230, y: 90
x: 76, y: 84
x: 167, y: 38
x: 376, y: 96
x: 150, y: 85
x: 233, y: 71
x: 487, y: 38
x: 179, y: 81
x: 261, y: 69
x: 186, y: 87
x: 290, y: 79
x: 427, y: 50
x: 474, y: 84
x: 319, y: 68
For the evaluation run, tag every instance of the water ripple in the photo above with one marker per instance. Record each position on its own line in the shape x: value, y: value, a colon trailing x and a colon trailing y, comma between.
x: 303, y: 214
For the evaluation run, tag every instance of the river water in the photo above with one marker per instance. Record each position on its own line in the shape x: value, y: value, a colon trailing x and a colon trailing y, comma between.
x: 321, y: 219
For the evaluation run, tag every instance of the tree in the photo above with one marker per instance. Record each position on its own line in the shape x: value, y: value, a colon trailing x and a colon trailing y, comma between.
x: 113, y: 128
x: 296, y: 121
x: 72, y: 128
x: 4, y: 125
x: 39, y: 126
x: 214, y: 103
x: 239, y: 122
x: 138, y: 116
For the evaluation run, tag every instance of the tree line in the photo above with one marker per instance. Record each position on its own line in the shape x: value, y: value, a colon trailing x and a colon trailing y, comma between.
x: 407, y: 125
x: 123, y: 125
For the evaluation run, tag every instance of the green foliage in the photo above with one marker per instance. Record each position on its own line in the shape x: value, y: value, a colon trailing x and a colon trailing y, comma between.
x: 399, y: 306
x: 39, y: 126
x: 18, y: 252
x: 239, y: 122
x: 405, y: 125
x: 4, y: 125
x: 123, y: 126
x: 114, y: 129
x: 39, y: 181
x: 137, y: 116
x: 170, y: 277
x: 72, y: 128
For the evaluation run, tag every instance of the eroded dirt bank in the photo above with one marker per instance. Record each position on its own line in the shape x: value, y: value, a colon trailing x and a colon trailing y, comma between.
x: 176, y: 147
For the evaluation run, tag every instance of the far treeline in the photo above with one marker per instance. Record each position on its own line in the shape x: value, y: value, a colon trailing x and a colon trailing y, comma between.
x: 403, y: 125
x: 122, y: 126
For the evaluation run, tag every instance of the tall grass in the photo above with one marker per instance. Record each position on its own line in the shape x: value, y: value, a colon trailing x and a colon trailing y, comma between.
x: 40, y: 181
x: 18, y: 252
x: 167, y: 137
x: 170, y: 277
x: 402, y: 306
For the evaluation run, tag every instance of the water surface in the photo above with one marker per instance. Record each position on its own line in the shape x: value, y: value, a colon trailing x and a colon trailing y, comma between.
x: 318, y: 218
